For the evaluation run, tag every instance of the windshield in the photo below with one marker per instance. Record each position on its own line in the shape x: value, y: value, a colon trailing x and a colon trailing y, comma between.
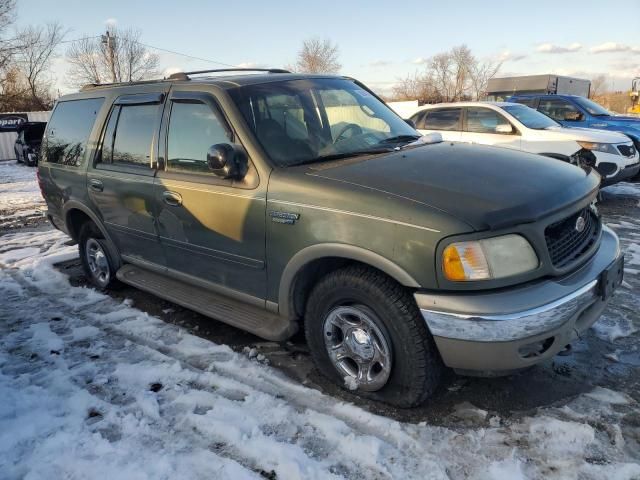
x: 592, y: 107
x: 308, y: 120
x: 530, y: 118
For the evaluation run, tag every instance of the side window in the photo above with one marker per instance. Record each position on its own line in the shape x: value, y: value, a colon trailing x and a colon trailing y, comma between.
x: 559, y: 110
x: 134, y: 135
x: 444, y: 119
x: 529, y: 102
x: 193, y: 128
x: 69, y: 129
x: 485, y: 120
x: 418, y: 119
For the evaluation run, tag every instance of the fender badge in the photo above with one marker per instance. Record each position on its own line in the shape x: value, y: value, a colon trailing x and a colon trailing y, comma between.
x: 287, y: 218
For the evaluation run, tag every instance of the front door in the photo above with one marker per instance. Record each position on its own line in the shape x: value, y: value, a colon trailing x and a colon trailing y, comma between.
x: 121, y: 179
x: 211, y: 228
x: 563, y: 112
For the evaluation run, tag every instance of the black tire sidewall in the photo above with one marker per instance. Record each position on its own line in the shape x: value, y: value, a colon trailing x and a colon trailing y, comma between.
x: 90, y: 231
x: 402, y: 388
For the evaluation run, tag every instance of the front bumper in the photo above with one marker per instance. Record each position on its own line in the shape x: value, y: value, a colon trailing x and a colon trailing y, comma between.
x: 514, y: 328
x: 625, y: 173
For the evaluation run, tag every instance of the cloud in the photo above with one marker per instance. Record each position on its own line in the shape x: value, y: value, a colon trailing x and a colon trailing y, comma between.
x: 250, y: 65
x: 111, y: 22
x: 552, y: 48
x: 509, y: 56
x: 380, y: 63
x: 420, y: 61
x: 613, y: 47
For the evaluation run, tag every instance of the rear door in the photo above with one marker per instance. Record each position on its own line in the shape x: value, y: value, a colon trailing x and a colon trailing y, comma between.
x: 120, y: 179
x: 486, y: 126
x: 211, y: 228
x: 446, y: 121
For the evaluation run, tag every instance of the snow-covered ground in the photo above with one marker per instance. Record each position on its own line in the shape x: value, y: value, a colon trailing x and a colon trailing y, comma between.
x: 20, y: 199
x: 91, y: 387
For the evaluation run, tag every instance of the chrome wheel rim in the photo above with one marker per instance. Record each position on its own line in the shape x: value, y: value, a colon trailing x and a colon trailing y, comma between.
x: 357, y: 348
x: 97, y: 260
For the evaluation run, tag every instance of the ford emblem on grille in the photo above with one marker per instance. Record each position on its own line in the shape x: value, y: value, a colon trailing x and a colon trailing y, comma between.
x: 580, y: 223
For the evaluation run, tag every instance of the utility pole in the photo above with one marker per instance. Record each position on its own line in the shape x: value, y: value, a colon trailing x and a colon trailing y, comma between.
x: 110, y: 42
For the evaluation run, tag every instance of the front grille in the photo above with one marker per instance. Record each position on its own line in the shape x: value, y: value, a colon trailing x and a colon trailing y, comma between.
x: 565, y: 243
x: 627, y: 150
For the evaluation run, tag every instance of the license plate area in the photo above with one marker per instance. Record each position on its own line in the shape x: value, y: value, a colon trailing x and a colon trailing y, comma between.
x: 611, y: 278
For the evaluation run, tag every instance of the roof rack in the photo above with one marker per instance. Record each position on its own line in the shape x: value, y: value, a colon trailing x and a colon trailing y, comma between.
x: 185, y: 75
x: 182, y: 76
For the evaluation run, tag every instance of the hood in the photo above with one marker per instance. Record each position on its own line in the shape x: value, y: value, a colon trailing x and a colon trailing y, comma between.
x: 588, y: 135
x: 486, y: 187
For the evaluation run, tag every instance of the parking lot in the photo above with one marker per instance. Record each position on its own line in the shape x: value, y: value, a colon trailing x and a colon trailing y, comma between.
x: 159, y: 376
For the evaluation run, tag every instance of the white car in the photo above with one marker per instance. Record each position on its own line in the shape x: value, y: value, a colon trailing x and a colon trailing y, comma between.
x: 517, y: 126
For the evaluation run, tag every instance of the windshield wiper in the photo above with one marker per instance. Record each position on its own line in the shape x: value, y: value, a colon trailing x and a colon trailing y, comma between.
x: 338, y: 156
x: 398, y: 139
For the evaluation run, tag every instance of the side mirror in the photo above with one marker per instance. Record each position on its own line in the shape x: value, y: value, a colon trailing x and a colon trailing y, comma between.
x: 411, y: 123
x: 504, y: 128
x: 572, y: 116
x: 227, y: 160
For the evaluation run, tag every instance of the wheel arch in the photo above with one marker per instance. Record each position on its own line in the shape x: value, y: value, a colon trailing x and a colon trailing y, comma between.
x: 76, y: 214
x: 315, y: 261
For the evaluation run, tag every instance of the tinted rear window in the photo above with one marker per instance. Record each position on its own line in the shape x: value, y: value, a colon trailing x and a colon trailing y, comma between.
x: 69, y: 129
x: 524, y: 101
x: 446, y: 119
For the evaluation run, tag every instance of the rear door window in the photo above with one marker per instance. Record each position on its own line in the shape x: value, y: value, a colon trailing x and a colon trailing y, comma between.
x: 448, y: 119
x: 128, y: 138
x: 69, y: 130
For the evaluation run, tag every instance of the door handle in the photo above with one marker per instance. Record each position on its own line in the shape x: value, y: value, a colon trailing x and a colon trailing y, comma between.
x: 172, y: 198
x: 96, y: 185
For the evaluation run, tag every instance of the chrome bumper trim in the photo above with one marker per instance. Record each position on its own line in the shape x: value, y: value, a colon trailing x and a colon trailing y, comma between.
x: 511, y: 326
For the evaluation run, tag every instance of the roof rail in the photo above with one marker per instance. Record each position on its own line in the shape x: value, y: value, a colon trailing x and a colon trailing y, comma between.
x: 90, y: 86
x: 181, y: 76
x: 185, y: 75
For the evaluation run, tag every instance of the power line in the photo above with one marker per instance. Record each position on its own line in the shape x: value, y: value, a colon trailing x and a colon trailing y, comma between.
x: 184, y: 54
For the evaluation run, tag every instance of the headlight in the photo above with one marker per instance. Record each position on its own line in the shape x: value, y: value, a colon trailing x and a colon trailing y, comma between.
x: 599, y: 147
x: 488, y: 259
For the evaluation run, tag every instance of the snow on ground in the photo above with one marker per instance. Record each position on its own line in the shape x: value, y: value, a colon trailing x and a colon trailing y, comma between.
x: 91, y: 387
x: 20, y: 196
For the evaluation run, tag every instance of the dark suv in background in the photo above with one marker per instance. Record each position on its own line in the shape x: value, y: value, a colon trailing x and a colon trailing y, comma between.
x: 276, y: 201
x: 27, y: 146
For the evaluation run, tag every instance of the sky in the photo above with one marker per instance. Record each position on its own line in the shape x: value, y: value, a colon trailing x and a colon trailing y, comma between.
x: 379, y: 42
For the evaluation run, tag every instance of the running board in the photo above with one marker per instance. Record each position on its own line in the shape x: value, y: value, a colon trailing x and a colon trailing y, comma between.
x: 255, y: 320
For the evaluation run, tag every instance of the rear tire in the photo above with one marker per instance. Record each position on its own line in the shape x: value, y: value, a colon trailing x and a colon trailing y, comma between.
x: 365, y: 333
x: 97, y: 262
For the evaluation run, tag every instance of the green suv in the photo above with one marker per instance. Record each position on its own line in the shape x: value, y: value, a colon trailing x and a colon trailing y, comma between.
x: 275, y: 202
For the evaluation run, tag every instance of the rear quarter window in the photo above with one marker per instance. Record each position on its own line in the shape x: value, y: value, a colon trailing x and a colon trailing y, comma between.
x: 69, y: 129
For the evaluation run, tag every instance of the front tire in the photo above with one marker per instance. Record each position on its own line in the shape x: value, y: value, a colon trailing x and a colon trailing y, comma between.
x: 96, y: 259
x: 365, y: 333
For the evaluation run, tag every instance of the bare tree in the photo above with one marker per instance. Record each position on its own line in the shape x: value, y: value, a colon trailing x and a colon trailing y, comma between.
x: 480, y: 73
x: 449, y: 77
x: 415, y: 87
x: 598, y: 86
x: 116, y: 57
x: 37, y: 46
x: 318, y: 56
x: 7, y: 17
